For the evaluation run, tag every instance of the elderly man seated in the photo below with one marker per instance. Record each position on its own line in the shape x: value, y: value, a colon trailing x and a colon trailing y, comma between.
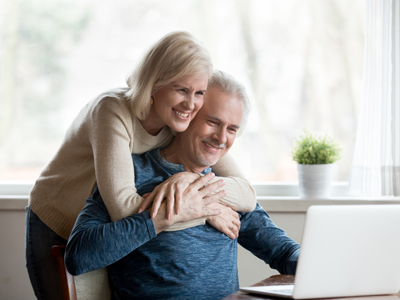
x: 146, y: 261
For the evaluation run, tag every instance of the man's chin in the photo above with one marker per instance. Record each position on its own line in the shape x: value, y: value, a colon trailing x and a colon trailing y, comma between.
x: 213, y: 163
x: 206, y: 162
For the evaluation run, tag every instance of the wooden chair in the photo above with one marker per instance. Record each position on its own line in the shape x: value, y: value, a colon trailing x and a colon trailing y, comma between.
x: 67, y: 280
x: 92, y: 285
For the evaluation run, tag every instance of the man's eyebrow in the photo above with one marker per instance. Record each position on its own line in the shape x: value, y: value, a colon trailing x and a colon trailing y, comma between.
x: 219, y: 120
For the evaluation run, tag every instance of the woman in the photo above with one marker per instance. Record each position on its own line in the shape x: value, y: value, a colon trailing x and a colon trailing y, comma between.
x: 164, y: 93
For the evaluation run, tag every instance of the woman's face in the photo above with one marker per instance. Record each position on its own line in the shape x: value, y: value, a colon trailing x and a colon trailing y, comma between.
x: 177, y: 104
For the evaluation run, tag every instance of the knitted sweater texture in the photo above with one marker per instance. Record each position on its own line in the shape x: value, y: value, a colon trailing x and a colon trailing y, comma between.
x: 97, y: 148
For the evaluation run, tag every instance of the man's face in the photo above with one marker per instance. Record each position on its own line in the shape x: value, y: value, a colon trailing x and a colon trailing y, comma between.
x: 212, y: 132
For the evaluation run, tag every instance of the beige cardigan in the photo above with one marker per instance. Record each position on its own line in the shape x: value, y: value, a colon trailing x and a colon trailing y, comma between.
x: 97, y: 148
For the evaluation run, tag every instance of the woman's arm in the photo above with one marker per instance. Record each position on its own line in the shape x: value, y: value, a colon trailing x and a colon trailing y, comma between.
x: 240, y: 195
x: 113, y: 133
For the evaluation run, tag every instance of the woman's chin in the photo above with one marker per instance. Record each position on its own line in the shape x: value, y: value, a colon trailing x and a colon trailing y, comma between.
x: 179, y: 127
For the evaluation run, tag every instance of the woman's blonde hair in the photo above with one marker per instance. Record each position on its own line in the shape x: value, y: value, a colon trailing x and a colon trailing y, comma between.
x: 176, y: 55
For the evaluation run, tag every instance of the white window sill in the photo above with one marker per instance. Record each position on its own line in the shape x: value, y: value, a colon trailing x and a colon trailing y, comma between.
x: 297, y: 205
x: 274, y: 197
x: 284, y: 197
x: 10, y: 202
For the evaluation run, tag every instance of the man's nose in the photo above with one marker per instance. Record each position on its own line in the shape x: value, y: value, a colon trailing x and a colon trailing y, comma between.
x: 220, y: 136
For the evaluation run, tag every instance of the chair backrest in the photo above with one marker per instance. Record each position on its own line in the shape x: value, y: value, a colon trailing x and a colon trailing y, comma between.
x: 67, y: 280
x: 88, y: 286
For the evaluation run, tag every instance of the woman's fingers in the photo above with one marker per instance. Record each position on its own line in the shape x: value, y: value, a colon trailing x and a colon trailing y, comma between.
x: 148, y: 200
x: 193, y: 201
x: 236, y: 223
x: 230, y: 233
x: 201, y: 182
x: 157, y: 201
x: 235, y: 219
x: 173, y: 190
x: 213, y: 198
x: 170, y: 203
x: 211, y: 188
x: 209, y: 212
x: 235, y: 231
x: 228, y: 222
x: 178, y: 198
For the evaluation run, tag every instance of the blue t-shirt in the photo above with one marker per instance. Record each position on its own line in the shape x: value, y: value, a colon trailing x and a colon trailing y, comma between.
x: 194, y: 263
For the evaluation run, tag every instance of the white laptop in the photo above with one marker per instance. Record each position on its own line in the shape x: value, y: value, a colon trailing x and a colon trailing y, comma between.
x: 347, y: 250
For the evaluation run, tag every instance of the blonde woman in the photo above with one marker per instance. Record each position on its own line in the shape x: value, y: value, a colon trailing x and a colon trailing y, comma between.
x: 163, y: 95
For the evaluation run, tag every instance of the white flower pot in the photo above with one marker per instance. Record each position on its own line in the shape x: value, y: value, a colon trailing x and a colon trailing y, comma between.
x: 315, y: 181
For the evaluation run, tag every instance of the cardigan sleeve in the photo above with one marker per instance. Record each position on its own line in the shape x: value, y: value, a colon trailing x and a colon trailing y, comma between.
x: 241, y: 196
x: 110, y: 134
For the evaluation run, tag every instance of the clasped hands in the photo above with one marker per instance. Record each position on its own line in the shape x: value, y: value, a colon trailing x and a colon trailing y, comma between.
x: 186, y: 196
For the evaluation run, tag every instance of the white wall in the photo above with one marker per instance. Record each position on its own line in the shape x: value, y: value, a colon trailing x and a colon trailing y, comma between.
x: 252, y: 269
x: 14, y: 281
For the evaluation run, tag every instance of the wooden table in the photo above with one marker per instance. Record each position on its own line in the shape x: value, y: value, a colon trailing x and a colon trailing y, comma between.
x: 289, y: 279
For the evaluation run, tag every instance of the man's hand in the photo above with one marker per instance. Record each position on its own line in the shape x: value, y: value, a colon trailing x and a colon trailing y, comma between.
x: 172, y: 190
x: 195, y: 203
x: 227, y: 222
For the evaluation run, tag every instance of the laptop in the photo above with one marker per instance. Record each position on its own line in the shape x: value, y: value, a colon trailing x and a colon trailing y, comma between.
x: 347, y: 250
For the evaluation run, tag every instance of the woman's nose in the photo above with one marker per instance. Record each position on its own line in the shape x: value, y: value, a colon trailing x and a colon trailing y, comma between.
x: 189, y: 103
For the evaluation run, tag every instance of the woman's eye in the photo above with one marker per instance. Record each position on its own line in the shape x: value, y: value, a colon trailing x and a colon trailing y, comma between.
x: 200, y: 93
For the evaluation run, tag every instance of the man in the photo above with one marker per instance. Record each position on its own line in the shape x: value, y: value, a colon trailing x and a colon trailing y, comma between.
x: 147, y: 262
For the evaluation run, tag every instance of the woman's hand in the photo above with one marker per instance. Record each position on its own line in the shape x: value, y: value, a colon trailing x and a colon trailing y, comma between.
x: 227, y: 222
x: 172, y: 189
x: 196, y: 203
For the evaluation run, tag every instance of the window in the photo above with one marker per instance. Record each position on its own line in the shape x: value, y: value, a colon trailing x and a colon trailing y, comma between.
x: 301, y: 62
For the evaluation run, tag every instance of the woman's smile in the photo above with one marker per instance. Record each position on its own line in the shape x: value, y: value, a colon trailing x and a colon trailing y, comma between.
x: 183, y: 115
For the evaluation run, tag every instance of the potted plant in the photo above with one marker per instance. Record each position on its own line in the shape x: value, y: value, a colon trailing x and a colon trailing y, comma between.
x: 315, y: 155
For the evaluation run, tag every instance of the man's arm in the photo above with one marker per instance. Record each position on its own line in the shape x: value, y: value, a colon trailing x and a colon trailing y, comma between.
x: 96, y: 242
x: 265, y: 240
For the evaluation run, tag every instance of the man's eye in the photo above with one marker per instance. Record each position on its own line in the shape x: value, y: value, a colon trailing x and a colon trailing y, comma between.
x: 200, y: 93
x: 232, y: 130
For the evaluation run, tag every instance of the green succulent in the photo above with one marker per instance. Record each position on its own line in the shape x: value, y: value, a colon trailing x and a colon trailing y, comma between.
x: 313, y: 149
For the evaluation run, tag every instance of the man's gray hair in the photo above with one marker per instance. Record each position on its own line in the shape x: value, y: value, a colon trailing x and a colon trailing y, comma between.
x: 230, y: 85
